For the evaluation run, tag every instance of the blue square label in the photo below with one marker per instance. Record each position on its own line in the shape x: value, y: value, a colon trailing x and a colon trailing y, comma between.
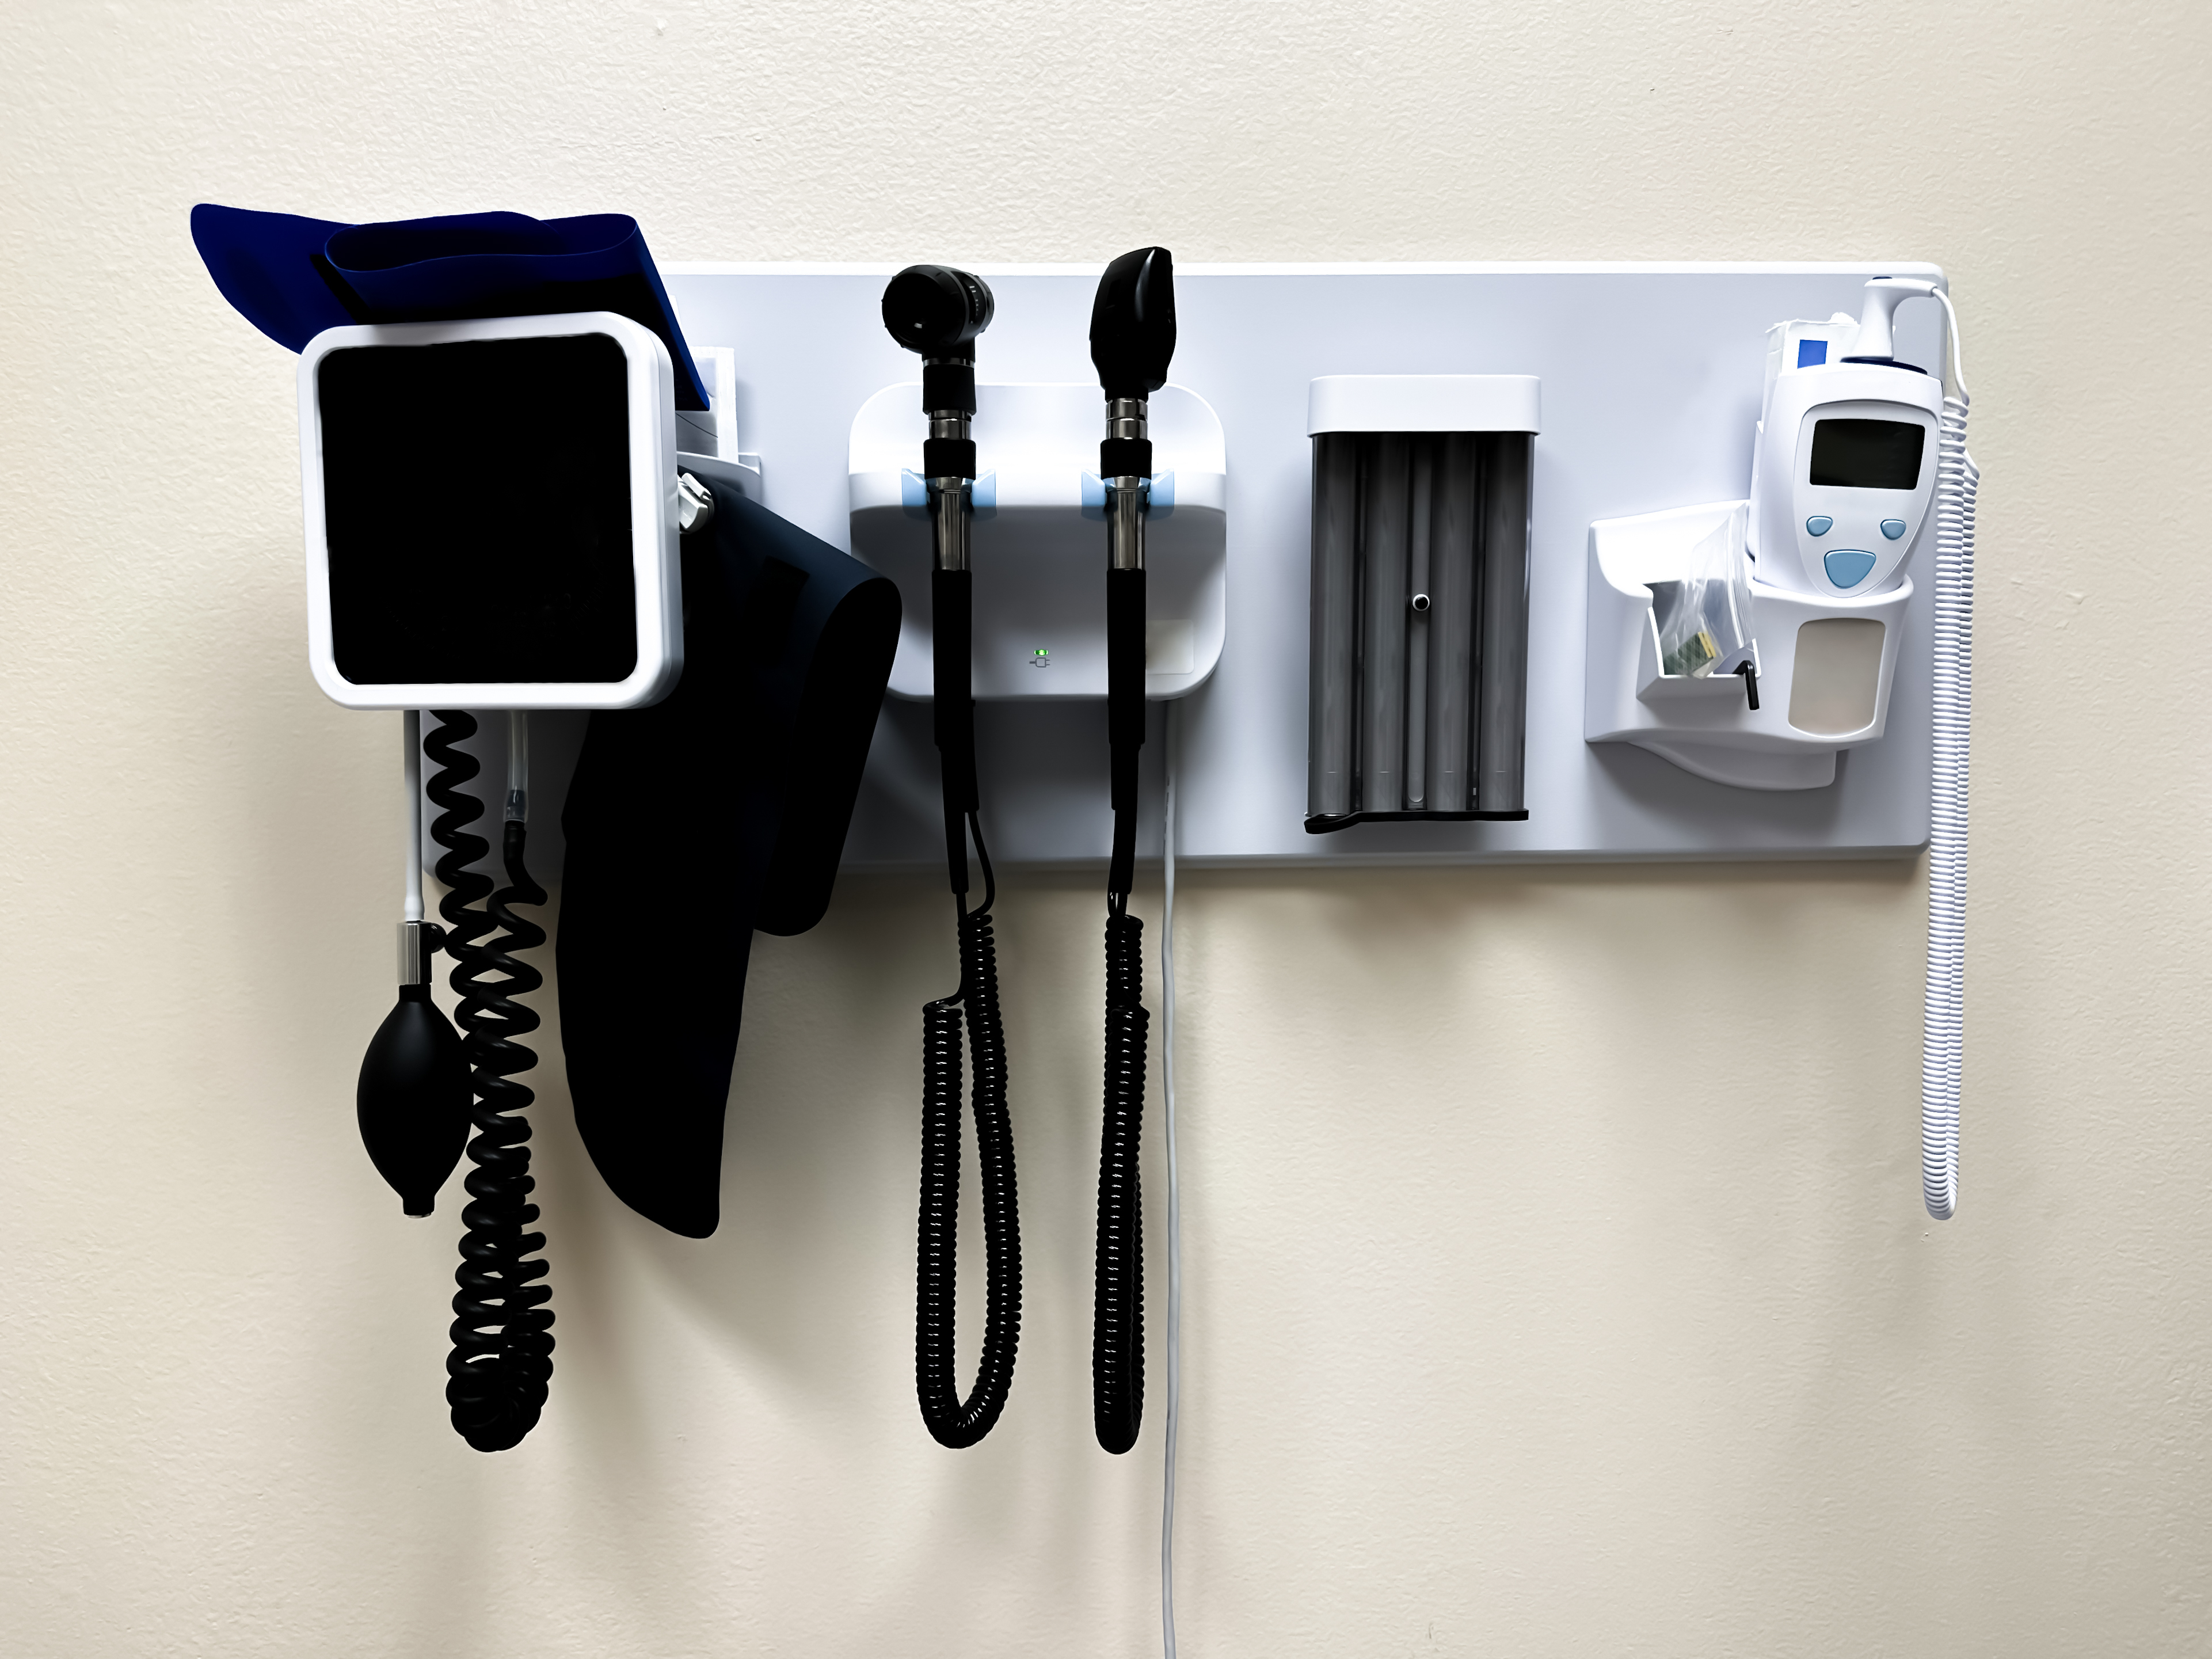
x: 1811, y: 354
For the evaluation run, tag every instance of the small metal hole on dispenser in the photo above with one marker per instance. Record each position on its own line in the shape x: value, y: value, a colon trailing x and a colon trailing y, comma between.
x: 1421, y: 602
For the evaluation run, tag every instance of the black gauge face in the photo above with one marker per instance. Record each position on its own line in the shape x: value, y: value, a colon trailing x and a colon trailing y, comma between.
x: 447, y: 567
x: 1863, y: 454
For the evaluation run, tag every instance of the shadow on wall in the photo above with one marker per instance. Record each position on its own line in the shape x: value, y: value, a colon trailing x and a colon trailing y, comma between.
x: 805, y: 1292
x: 1445, y: 979
x: 1587, y: 1058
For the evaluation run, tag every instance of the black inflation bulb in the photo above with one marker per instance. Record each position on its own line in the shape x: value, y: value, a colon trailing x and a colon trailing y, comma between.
x: 414, y: 1097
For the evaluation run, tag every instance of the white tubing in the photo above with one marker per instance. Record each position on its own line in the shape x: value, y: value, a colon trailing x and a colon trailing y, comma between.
x: 410, y: 725
x: 1175, y: 1203
x: 1943, y: 1033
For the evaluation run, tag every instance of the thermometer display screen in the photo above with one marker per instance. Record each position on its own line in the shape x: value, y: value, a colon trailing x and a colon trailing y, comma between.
x: 1866, y: 454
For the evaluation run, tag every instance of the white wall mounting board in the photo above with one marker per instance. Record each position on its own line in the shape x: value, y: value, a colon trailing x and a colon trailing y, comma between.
x: 1651, y: 385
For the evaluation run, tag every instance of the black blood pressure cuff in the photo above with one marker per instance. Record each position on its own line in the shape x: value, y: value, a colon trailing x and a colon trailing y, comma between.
x: 718, y: 810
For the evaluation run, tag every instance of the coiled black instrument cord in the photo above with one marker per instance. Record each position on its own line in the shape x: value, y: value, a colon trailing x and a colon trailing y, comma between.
x: 502, y: 1357
x: 1117, y: 1340
x: 1117, y: 1321
x: 952, y: 1421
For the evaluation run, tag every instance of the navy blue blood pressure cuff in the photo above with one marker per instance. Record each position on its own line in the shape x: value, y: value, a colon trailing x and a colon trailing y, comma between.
x: 292, y: 277
x: 718, y: 810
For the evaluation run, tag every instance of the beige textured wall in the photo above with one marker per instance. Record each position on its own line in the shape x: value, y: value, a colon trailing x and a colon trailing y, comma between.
x: 1548, y: 1295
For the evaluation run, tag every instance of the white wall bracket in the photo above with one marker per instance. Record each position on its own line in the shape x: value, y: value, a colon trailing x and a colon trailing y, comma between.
x: 1039, y: 538
x: 1825, y: 665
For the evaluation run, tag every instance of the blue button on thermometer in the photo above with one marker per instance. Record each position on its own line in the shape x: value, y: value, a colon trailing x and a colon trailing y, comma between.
x: 1892, y: 528
x: 1848, y: 565
x: 1819, y: 525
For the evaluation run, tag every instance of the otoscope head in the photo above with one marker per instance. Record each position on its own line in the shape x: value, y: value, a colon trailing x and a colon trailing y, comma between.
x: 1133, y: 323
x: 936, y: 310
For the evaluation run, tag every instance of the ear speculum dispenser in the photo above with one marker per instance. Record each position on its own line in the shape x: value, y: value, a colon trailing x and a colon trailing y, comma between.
x: 1419, y: 688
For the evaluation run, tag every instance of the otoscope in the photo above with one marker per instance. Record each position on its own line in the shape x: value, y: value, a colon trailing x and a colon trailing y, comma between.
x: 1132, y: 337
x: 937, y: 310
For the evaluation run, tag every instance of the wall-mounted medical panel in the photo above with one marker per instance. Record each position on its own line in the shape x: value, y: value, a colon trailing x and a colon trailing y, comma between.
x: 1652, y: 378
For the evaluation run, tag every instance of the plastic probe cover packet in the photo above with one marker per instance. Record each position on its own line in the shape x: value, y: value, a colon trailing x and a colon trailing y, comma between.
x: 292, y: 277
x: 1706, y: 619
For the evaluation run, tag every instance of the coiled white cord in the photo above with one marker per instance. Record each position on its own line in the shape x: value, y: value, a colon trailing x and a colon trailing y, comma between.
x: 1943, y: 1035
x: 1174, y: 1203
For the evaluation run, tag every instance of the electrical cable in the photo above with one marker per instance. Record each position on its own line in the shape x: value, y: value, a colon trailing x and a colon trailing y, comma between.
x: 1958, y: 481
x: 502, y: 1361
x: 1175, y: 1196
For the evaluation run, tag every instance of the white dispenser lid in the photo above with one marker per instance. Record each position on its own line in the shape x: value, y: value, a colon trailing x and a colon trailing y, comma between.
x: 1422, y: 402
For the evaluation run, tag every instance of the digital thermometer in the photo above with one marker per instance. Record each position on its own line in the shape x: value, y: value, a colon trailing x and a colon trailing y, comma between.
x: 1845, y: 466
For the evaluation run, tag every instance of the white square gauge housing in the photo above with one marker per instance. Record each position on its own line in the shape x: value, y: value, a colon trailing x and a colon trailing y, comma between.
x: 440, y: 577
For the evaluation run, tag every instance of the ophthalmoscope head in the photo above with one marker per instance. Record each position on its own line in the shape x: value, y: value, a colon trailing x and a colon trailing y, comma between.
x: 1133, y: 323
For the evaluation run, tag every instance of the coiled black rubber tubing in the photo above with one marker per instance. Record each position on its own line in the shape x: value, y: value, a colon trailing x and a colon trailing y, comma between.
x: 1117, y: 1335
x: 502, y: 1357
x: 950, y: 1420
